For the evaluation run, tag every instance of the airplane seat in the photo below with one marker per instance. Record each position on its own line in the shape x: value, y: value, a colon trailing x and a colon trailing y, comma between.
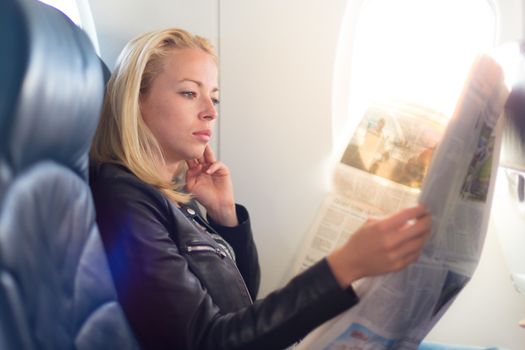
x: 56, y: 290
x: 11, y: 71
x: 106, y: 73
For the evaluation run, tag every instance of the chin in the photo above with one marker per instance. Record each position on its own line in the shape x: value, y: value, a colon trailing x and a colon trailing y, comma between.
x: 190, y: 152
x: 198, y: 153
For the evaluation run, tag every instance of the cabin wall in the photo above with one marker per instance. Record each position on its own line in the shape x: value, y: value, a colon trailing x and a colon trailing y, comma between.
x: 275, y: 123
x: 118, y: 21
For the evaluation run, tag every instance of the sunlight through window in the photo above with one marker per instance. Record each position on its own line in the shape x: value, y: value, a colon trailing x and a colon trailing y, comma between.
x: 412, y: 50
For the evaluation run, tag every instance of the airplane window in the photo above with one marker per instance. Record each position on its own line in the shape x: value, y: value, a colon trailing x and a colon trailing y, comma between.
x: 79, y: 12
x: 411, y: 50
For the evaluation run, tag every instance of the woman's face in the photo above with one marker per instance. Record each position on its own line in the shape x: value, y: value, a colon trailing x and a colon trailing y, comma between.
x: 180, y: 106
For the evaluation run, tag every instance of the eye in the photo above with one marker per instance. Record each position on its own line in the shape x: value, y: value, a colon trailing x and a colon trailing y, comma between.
x: 215, y: 101
x: 188, y: 94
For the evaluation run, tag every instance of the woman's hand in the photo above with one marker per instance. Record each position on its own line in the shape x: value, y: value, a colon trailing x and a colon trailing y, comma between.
x: 210, y: 182
x: 382, y: 246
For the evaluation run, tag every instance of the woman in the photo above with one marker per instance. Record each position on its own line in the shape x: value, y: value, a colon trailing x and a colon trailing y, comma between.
x: 189, y: 283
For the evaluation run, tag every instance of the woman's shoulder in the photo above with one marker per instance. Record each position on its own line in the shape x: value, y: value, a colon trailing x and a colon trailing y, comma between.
x: 117, y: 182
x: 121, y: 197
x: 104, y: 171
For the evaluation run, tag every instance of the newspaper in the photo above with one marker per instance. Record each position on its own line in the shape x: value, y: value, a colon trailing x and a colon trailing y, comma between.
x: 401, y: 154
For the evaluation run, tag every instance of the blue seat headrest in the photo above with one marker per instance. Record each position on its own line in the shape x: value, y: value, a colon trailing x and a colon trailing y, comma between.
x: 55, y: 113
x: 13, y: 36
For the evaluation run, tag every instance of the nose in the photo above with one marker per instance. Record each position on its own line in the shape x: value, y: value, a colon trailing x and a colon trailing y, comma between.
x: 209, y: 110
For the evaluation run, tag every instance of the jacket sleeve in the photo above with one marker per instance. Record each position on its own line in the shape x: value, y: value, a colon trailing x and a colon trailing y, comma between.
x: 241, y: 240
x: 166, y: 304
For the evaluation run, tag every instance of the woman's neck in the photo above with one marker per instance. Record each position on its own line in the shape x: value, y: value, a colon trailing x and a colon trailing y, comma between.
x: 170, y: 170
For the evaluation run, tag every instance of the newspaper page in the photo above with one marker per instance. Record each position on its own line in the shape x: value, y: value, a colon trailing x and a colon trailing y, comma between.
x: 401, y: 154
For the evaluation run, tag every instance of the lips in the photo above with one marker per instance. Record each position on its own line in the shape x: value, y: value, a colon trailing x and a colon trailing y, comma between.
x: 203, y: 135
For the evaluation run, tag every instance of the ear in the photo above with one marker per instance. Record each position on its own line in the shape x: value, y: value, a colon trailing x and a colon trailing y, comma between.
x: 141, y: 102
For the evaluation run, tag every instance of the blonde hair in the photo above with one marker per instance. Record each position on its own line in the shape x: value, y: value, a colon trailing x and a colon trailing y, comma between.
x: 122, y: 137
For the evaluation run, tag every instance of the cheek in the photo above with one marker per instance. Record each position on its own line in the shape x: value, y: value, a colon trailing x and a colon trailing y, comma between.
x: 157, y: 116
x: 149, y: 112
x: 167, y: 118
x: 171, y: 128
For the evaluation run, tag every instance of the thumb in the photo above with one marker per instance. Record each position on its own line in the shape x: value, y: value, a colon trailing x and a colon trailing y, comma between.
x: 371, y: 221
x: 191, y: 177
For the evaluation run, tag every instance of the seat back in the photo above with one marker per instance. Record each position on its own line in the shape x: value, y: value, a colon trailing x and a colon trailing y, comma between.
x: 56, y: 290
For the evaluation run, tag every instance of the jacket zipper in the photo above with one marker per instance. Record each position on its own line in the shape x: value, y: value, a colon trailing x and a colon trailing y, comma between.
x: 204, y: 248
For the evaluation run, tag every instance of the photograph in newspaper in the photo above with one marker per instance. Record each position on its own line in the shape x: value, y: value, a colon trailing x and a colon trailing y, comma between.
x: 476, y: 185
x: 396, y: 141
x: 379, y: 173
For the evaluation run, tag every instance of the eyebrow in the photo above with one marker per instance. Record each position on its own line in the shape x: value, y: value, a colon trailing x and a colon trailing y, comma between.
x: 198, y: 83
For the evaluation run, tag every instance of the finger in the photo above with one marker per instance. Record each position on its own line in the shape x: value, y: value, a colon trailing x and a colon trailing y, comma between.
x: 190, y: 179
x: 407, y: 260
x: 413, y: 255
x: 420, y: 230
x: 195, y: 168
x: 192, y: 163
x: 215, y: 167
x: 209, y: 156
x: 371, y: 221
x: 402, y: 217
x: 407, y: 254
x: 193, y: 171
x: 416, y: 222
x: 419, y: 227
x: 412, y: 246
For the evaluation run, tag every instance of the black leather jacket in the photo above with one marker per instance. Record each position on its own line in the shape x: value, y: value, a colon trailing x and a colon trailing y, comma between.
x: 180, y: 291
